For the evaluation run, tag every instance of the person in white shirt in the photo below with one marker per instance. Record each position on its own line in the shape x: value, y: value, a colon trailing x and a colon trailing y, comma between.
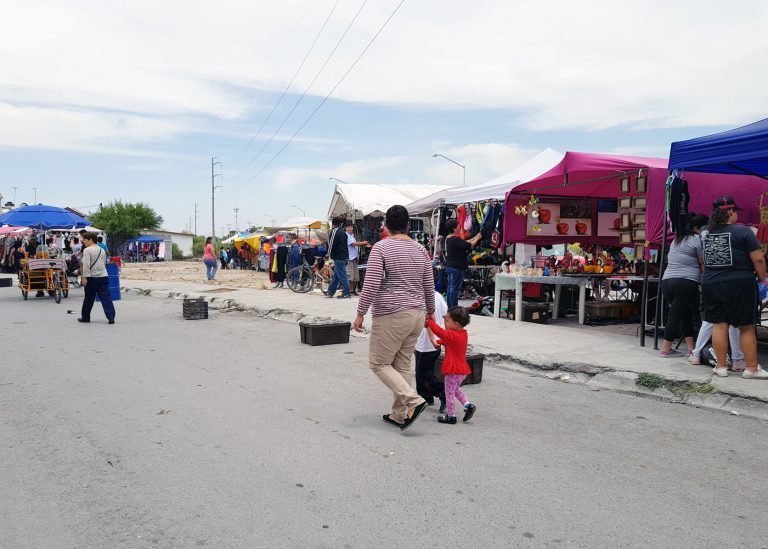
x: 427, y: 353
x: 353, y: 273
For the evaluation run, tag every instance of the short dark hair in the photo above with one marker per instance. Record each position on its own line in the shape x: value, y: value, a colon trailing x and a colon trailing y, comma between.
x: 89, y: 236
x: 99, y: 238
x: 459, y: 315
x: 349, y: 224
x: 336, y: 221
x: 396, y: 219
x: 451, y: 225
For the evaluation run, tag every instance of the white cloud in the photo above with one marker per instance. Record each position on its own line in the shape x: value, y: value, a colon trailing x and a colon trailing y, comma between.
x: 356, y: 171
x: 562, y: 64
x: 484, y: 161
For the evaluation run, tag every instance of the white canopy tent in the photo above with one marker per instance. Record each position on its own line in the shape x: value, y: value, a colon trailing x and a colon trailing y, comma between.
x: 495, y: 188
x: 361, y: 200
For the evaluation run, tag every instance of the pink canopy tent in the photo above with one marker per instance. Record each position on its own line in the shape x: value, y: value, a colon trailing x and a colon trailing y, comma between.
x: 8, y: 229
x: 596, y: 176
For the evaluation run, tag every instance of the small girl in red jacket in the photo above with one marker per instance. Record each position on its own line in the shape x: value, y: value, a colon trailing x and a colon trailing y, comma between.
x: 455, y: 367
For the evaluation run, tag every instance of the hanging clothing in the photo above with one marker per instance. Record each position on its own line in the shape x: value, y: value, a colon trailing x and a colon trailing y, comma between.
x: 679, y: 199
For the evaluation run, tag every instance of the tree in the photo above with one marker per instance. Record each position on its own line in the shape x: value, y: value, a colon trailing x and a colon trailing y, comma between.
x: 123, y: 221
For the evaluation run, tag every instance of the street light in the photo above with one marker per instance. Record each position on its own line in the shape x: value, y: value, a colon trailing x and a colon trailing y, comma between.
x: 303, y: 212
x: 462, y: 166
x: 339, y: 180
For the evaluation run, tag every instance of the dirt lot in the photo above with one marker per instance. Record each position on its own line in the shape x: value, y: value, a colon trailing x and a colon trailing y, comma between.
x: 193, y: 271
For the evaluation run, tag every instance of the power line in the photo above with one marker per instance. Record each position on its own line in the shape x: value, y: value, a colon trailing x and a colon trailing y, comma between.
x: 312, y: 114
x: 312, y: 83
x: 285, y: 91
x: 274, y: 74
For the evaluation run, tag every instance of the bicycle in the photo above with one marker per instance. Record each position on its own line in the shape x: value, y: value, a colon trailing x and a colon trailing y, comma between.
x: 304, y: 278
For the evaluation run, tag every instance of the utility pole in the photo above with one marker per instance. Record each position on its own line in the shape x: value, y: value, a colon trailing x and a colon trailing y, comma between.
x: 213, y: 196
x: 197, y: 214
x: 189, y: 227
x: 237, y: 229
x: 14, y: 194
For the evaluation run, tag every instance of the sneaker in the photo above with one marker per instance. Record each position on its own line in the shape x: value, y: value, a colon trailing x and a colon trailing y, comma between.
x: 694, y: 359
x: 757, y: 374
x: 450, y: 420
x: 738, y: 366
x: 469, y: 411
x: 722, y: 372
x: 345, y: 296
x: 670, y: 354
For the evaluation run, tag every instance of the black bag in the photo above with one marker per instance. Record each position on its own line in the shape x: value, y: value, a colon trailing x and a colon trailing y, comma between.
x: 707, y: 356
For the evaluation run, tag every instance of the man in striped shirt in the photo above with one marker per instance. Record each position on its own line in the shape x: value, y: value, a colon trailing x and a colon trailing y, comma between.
x: 399, y: 289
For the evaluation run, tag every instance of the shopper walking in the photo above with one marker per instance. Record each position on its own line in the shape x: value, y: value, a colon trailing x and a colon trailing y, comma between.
x: 456, y: 261
x: 95, y: 280
x: 209, y: 258
x: 338, y: 251
x: 732, y: 256
x: 400, y: 290
x: 427, y: 352
x: 680, y: 285
x: 455, y: 367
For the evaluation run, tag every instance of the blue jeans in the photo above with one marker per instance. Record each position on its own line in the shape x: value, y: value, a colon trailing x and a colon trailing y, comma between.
x: 339, y: 277
x: 97, y: 285
x: 455, y: 280
x: 210, y: 268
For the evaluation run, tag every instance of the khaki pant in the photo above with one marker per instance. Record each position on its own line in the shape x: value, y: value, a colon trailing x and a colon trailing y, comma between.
x: 393, y: 339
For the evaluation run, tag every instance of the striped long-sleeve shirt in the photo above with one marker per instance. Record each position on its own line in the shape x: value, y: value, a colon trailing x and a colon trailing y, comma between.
x: 398, y: 278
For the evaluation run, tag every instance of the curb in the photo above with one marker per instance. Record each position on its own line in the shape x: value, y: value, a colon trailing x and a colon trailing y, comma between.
x: 595, y: 377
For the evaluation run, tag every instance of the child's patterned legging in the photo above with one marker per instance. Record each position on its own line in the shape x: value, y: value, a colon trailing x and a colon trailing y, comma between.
x: 452, y: 389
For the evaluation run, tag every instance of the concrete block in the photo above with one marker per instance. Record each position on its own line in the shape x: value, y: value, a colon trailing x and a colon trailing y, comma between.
x: 747, y: 407
x: 713, y: 401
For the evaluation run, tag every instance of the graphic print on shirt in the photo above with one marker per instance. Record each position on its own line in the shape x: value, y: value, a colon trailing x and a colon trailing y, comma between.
x: 717, y: 250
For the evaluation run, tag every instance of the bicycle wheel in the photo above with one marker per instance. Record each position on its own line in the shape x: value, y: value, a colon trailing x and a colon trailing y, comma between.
x: 22, y: 284
x: 57, y: 288
x: 299, y: 280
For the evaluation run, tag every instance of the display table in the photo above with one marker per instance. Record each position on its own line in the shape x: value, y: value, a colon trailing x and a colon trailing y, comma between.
x: 514, y: 282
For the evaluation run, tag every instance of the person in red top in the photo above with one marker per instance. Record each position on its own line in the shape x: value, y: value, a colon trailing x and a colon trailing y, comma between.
x: 455, y: 367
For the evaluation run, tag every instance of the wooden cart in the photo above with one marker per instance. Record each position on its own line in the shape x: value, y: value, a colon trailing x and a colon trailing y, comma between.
x: 44, y: 275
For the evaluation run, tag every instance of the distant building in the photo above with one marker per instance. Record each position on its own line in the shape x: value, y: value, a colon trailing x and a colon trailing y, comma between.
x: 182, y: 240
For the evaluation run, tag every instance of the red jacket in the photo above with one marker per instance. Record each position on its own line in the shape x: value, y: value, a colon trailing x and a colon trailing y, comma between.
x: 455, y: 342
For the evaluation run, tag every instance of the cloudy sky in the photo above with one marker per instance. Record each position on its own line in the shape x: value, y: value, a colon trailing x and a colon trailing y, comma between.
x: 101, y: 99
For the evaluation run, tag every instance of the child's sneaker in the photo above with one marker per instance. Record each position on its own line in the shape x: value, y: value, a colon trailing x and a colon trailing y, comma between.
x: 670, y: 354
x: 450, y: 420
x: 694, y: 359
x: 469, y: 411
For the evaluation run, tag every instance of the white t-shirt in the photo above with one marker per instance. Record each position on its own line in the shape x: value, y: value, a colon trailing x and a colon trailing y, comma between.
x: 353, y: 251
x: 424, y: 345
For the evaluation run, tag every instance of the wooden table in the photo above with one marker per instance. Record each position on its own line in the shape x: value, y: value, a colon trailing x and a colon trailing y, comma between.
x: 514, y: 282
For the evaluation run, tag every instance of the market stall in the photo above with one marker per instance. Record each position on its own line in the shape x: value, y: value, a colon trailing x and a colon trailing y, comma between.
x: 146, y: 248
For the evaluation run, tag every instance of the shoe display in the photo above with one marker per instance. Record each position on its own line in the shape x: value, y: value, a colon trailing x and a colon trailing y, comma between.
x: 447, y: 420
x: 722, y: 372
x: 755, y: 374
x: 469, y: 411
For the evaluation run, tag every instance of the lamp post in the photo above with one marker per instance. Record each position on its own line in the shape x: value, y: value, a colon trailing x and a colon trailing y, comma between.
x: 337, y: 179
x: 35, y: 189
x: 237, y: 210
x: 303, y: 212
x: 462, y: 166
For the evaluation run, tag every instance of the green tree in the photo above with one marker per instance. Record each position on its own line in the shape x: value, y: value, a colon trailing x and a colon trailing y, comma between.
x: 123, y: 221
x: 176, y: 252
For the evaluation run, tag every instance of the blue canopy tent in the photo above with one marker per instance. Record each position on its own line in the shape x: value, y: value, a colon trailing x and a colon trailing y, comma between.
x: 147, y: 239
x: 43, y: 218
x: 739, y: 151
x: 135, y: 253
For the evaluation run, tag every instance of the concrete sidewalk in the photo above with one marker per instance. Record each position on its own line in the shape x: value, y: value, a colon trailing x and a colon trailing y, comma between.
x: 588, y: 355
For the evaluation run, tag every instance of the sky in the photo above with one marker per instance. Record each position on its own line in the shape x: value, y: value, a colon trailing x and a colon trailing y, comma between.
x: 103, y: 100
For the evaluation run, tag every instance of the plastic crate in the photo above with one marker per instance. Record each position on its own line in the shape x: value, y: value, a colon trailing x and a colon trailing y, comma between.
x: 475, y: 362
x: 324, y: 333
x: 195, y: 309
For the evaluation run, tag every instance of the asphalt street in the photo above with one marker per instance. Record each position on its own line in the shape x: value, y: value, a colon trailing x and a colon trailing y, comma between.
x: 227, y: 432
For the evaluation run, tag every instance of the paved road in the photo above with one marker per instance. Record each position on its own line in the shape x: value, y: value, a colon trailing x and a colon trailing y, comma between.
x: 160, y: 432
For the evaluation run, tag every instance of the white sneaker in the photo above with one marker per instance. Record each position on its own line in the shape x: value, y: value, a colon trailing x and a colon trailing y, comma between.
x: 694, y: 359
x: 757, y: 374
x: 722, y: 372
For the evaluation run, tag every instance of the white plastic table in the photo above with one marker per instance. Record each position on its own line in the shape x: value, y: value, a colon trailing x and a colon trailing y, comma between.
x: 505, y: 281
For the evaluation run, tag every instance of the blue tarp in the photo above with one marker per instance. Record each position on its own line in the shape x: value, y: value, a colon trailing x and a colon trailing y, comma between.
x: 148, y: 239
x: 43, y: 217
x: 739, y: 151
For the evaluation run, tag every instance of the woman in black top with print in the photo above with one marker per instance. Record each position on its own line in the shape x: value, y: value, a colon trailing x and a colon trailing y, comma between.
x: 732, y: 256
